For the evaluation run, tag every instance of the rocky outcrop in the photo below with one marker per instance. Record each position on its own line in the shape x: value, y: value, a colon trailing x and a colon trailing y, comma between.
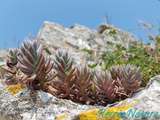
x: 143, y: 105
x: 81, y: 40
x: 46, y: 107
x: 78, y: 36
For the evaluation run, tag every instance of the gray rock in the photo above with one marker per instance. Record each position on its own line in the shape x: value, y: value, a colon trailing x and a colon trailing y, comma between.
x: 46, y: 106
x: 79, y: 38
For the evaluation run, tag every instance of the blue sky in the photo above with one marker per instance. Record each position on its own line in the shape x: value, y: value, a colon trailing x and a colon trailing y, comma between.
x: 20, y: 18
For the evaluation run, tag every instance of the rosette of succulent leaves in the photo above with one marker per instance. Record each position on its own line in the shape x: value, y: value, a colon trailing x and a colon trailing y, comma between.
x: 36, y: 68
x: 63, y: 78
x: 10, y: 68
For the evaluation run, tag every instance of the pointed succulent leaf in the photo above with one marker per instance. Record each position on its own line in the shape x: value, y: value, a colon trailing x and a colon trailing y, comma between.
x: 128, y: 75
x: 83, y: 84
x: 12, y: 58
x: 35, y: 66
x: 63, y: 60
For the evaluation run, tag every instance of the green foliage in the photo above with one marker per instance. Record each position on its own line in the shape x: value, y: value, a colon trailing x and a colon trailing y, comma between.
x: 112, y: 32
x: 136, y: 55
x: 87, y: 51
x: 92, y: 65
x: 47, y: 51
x: 113, y: 57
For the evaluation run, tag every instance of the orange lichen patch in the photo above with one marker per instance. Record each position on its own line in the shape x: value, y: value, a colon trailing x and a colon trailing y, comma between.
x: 14, y: 89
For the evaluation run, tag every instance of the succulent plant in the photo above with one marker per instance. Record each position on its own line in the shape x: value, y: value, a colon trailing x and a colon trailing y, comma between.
x: 63, y: 63
x: 65, y: 72
x: 65, y: 80
x: 62, y: 87
x: 83, y: 85
x: 108, y: 89
x: 34, y: 65
x: 11, y: 76
x: 11, y: 67
x: 128, y: 75
x: 12, y: 58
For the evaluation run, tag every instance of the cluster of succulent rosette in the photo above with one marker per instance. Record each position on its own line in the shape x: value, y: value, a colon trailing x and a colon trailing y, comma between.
x: 63, y: 78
